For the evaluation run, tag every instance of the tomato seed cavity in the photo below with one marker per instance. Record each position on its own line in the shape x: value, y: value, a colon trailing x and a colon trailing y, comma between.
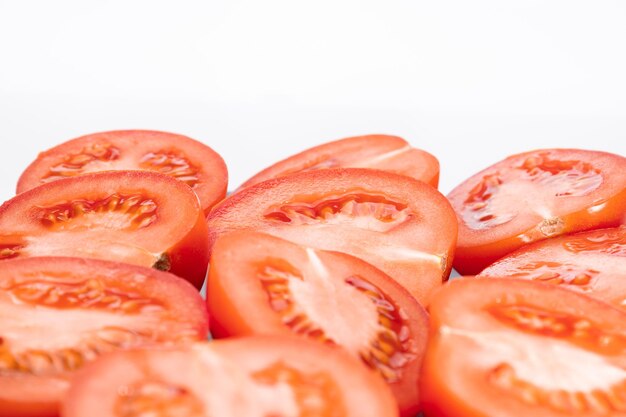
x: 172, y: 164
x: 75, y: 164
x: 388, y: 353
x: 345, y: 208
x: 117, y: 211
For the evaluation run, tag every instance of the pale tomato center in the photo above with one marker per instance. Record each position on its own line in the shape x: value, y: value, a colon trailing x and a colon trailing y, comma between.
x: 51, y: 326
x: 369, y: 324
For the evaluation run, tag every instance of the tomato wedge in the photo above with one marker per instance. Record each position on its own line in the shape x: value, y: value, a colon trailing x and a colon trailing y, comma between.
x: 58, y: 313
x: 534, y: 196
x: 591, y: 262
x: 247, y: 377
x: 384, y: 152
x: 178, y: 156
x: 138, y: 217
x: 259, y: 284
x: 398, y: 224
x: 517, y: 348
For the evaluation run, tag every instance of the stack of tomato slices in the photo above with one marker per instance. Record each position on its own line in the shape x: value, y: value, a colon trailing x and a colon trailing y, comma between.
x: 326, y: 290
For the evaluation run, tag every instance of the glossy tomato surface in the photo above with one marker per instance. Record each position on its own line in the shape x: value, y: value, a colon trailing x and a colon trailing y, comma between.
x: 247, y: 377
x: 57, y: 314
x: 260, y: 284
x: 178, y: 156
x: 400, y: 225
x: 139, y: 217
x: 534, y: 196
x: 517, y: 348
x: 384, y: 152
x: 592, y: 262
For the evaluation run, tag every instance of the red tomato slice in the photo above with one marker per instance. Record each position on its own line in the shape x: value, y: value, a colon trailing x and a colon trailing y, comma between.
x: 398, y: 224
x: 591, y: 262
x: 248, y: 377
x: 183, y: 158
x: 516, y: 348
x: 384, y: 152
x: 138, y: 217
x: 58, y: 313
x: 259, y: 284
x: 533, y: 196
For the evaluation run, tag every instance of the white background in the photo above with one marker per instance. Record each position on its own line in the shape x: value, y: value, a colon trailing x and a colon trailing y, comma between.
x: 469, y: 81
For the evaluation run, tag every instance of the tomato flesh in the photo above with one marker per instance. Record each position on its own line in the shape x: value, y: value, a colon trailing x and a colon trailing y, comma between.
x: 400, y: 225
x: 384, y: 152
x: 259, y: 284
x: 180, y: 157
x: 56, y: 314
x: 251, y: 377
x: 592, y: 262
x: 142, y: 218
x: 513, y: 348
x: 533, y: 196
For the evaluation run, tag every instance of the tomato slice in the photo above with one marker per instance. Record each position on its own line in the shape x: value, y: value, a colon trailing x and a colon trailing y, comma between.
x: 138, y: 217
x: 534, y: 196
x: 592, y: 262
x: 247, y: 377
x: 516, y: 348
x: 400, y: 225
x: 259, y: 284
x: 384, y: 152
x: 181, y: 157
x: 58, y: 313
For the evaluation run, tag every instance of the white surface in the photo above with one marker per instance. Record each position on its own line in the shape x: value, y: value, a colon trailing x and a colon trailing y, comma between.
x: 469, y: 81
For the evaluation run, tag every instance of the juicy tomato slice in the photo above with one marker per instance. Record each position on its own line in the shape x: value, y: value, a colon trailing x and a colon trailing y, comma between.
x: 259, y: 284
x: 384, y: 152
x: 592, y: 262
x: 533, y: 196
x: 137, y: 217
x: 398, y: 224
x: 516, y: 348
x: 58, y: 313
x: 246, y: 377
x: 181, y: 157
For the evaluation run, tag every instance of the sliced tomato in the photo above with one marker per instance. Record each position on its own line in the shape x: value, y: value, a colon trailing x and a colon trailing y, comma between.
x: 181, y: 157
x: 534, y: 196
x: 138, y: 217
x: 384, y: 152
x: 517, y: 348
x: 58, y: 313
x: 592, y: 262
x: 247, y: 377
x: 400, y: 225
x: 259, y: 284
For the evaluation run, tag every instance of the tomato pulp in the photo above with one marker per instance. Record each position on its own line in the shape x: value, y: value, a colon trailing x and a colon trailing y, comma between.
x: 534, y: 196
x: 178, y: 156
x: 244, y: 377
x: 384, y: 152
x: 400, y: 225
x: 138, y: 217
x: 517, y: 348
x: 260, y: 284
x: 56, y: 314
x: 592, y: 262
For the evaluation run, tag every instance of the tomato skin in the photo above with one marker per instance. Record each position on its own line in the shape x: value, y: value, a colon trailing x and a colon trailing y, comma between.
x: 592, y: 262
x: 538, y: 214
x: 96, y: 388
x: 418, y: 242
x: 175, y: 240
x: 455, y: 379
x: 384, y: 152
x: 29, y: 394
x: 132, y: 151
x: 238, y: 304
